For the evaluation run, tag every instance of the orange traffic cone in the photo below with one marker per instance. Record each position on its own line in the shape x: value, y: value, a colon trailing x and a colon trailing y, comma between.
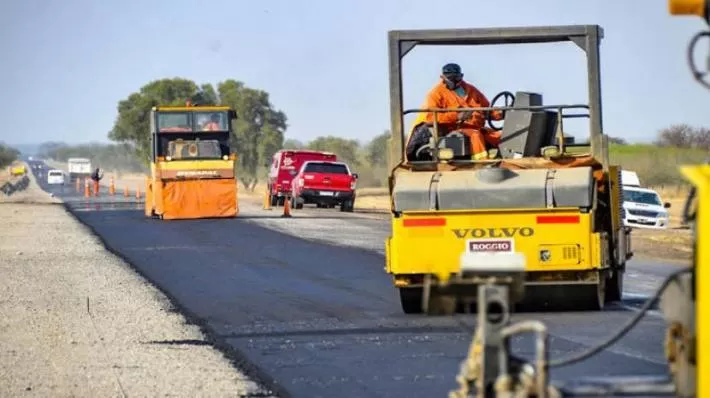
x: 96, y: 188
x: 267, y: 200
x: 125, y: 191
x: 86, y: 188
x: 287, y: 207
x: 111, y: 187
x: 138, y: 192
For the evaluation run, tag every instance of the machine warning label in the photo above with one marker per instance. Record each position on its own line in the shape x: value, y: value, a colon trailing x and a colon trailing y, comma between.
x: 490, y: 245
x: 197, y: 173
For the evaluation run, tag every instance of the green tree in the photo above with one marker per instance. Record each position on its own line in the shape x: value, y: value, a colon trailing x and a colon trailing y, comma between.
x: 49, y: 149
x: 133, y: 121
x: 346, y: 150
x: 259, y: 128
x: 206, y: 96
x: 377, y: 150
x: 293, y: 144
x: 7, y: 155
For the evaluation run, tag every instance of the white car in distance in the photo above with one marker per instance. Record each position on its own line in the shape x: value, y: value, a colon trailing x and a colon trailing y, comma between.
x: 643, y: 208
x: 55, y: 177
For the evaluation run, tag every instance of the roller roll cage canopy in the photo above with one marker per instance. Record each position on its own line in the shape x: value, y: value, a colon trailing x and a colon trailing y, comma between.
x: 160, y: 139
x: 587, y: 37
x: 190, y: 112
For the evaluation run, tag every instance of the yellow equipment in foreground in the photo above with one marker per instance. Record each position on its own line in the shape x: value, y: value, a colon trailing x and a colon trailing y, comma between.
x: 192, y: 168
x: 546, y: 204
x: 492, y: 370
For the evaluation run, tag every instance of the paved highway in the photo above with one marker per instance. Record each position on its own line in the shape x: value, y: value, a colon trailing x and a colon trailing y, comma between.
x: 305, y: 305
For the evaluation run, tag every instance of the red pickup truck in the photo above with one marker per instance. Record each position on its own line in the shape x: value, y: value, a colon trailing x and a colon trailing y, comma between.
x: 285, y: 164
x: 326, y: 184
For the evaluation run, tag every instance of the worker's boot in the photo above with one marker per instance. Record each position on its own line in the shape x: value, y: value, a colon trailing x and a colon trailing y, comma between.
x: 494, y: 153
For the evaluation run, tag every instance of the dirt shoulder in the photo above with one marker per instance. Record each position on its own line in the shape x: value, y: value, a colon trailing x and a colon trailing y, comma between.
x: 75, y: 320
x: 671, y: 245
x: 32, y: 194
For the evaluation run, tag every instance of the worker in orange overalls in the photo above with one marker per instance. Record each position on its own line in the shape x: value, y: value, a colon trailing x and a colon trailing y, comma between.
x: 453, y: 92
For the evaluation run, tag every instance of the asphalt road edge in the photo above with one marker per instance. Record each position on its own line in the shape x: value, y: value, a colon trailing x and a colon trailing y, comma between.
x: 236, y: 357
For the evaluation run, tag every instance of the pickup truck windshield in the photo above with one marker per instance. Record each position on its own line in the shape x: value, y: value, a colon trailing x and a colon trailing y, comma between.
x: 648, y: 198
x: 326, y: 168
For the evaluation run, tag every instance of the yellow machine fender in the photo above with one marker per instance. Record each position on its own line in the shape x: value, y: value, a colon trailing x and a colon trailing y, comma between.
x: 700, y: 177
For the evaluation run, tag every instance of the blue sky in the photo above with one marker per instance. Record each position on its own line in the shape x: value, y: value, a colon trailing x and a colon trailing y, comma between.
x: 66, y: 64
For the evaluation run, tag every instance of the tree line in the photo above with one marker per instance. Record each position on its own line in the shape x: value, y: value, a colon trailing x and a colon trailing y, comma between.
x: 369, y: 160
x: 685, y: 136
x: 8, y: 155
x: 259, y: 132
x: 120, y: 157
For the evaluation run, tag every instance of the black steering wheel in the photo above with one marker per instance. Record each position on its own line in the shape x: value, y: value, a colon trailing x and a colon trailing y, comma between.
x: 489, y: 114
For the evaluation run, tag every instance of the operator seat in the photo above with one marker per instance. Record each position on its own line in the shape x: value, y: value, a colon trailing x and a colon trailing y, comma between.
x: 525, y: 132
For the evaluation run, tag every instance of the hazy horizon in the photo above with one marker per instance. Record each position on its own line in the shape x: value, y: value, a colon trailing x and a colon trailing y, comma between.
x: 67, y: 64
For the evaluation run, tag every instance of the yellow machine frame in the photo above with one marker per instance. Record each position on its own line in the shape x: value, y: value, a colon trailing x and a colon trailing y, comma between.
x: 190, y: 188
x: 594, y: 247
x: 683, y: 300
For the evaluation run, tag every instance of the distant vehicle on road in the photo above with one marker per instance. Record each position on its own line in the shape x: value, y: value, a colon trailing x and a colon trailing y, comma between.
x: 285, y: 164
x: 630, y: 178
x: 55, y: 177
x: 326, y: 184
x: 643, y: 208
x: 78, y: 168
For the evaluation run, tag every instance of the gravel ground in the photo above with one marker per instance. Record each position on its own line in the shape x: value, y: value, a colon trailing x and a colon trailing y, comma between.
x: 32, y: 194
x: 75, y: 320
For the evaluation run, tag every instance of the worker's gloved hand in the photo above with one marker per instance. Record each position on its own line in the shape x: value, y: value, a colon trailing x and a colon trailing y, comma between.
x: 465, y: 115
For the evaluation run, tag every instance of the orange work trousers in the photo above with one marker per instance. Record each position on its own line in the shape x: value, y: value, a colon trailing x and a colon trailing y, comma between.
x: 479, y: 138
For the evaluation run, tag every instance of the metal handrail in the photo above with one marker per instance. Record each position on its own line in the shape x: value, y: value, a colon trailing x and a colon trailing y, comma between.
x: 501, y: 108
x: 558, y: 108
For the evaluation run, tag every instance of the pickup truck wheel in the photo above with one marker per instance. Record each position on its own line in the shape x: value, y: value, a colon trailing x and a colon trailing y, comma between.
x: 298, y: 202
x: 411, y: 299
x: 347, y: 206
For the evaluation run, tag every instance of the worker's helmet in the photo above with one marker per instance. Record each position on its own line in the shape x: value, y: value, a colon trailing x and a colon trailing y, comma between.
x: 452, y: 72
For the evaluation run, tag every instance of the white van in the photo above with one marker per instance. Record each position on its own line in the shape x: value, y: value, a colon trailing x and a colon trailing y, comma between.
x: 55, y: 177
x: 630, y: 179
x: 642, y: 207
